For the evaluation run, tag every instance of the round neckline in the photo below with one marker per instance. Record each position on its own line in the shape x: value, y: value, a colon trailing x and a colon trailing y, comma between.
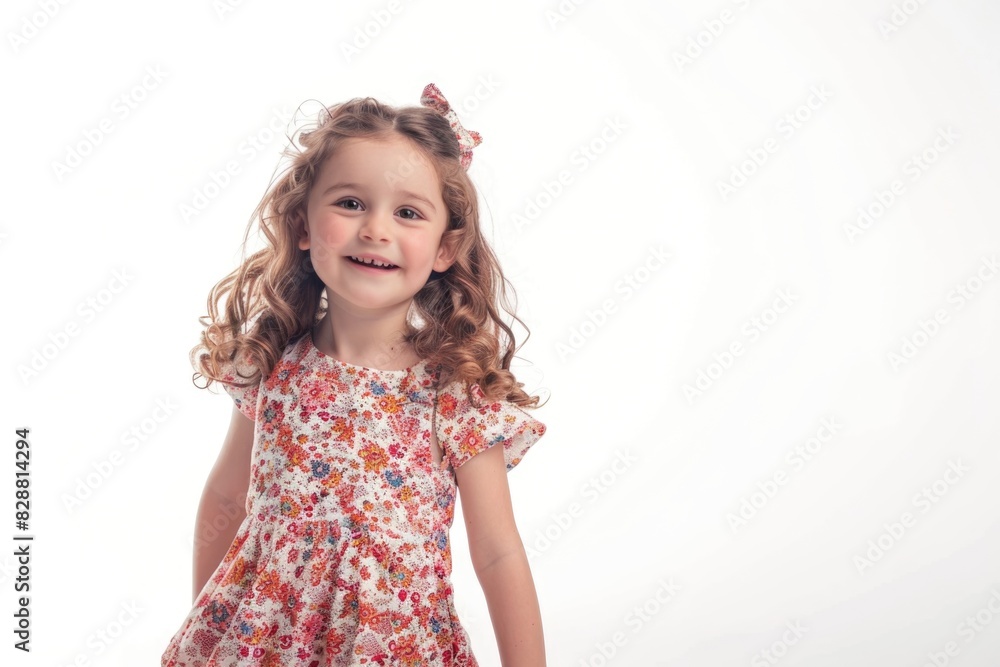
x: 400, y: 371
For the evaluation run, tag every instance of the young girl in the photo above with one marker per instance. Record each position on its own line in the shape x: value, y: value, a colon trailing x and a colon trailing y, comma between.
x: 354, y: 427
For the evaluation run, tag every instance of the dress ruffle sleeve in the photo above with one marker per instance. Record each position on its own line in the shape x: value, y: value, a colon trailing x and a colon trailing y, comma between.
x: 467, y: 427
x: 245, y: 398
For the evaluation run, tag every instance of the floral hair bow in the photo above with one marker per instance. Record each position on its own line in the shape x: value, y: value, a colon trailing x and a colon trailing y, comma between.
x: 467, y: 139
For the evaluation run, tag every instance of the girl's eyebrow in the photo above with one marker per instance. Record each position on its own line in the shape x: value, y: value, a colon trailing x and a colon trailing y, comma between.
x: 406, y: 193
x: 337, y: 186
x: 414, y: 195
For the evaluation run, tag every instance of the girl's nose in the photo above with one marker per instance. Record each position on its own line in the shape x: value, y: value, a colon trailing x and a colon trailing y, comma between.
x: 376, y: 225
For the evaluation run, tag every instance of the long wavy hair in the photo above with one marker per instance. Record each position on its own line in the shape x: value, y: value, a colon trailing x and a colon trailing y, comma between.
x: 274, y: 296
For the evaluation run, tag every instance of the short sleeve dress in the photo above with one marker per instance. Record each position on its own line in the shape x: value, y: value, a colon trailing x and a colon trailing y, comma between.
x: 344, y: 556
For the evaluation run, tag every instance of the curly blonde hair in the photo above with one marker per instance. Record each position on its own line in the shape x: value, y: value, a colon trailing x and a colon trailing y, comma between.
x: 274, y: 296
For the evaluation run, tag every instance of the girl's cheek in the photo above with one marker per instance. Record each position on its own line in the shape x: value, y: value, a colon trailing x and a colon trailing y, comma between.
x: 332, y: 234
x: 326, y: 246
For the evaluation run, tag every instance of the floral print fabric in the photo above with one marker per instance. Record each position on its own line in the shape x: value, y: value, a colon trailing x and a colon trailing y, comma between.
x: 344, y: 556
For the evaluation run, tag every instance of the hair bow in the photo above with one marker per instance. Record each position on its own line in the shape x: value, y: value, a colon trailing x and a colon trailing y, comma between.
x: 467, y: 139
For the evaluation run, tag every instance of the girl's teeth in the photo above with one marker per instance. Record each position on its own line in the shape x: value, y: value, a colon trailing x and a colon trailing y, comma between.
x: 372, y: 264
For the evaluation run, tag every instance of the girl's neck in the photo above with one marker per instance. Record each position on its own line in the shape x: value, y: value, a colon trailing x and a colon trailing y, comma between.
x: 368, y: 347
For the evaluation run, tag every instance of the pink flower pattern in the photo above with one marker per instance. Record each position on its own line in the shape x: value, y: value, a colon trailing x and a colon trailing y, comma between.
x: 344, y: 555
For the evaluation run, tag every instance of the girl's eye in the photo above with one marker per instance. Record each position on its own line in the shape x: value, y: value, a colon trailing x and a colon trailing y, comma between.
x: 415, y: 214
x: 344, y: 201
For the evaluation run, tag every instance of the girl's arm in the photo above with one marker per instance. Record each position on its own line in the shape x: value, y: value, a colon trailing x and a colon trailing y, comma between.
x: 499, y: 559
x: 222, y: 501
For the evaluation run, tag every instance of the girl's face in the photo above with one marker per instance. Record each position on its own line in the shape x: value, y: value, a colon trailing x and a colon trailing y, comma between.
x: 375, y: 199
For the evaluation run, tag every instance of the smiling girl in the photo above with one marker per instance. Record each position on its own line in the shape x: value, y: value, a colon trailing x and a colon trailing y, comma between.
x: 370, y: 373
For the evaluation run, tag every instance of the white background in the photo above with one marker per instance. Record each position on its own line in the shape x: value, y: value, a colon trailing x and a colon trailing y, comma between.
x: 539, y: 90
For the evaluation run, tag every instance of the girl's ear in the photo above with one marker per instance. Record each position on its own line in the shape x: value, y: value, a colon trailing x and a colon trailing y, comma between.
x: 447, y: 252
x: 303, y: 231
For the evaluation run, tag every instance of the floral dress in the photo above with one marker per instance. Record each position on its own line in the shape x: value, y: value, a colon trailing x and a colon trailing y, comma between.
x: 344, y: 555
